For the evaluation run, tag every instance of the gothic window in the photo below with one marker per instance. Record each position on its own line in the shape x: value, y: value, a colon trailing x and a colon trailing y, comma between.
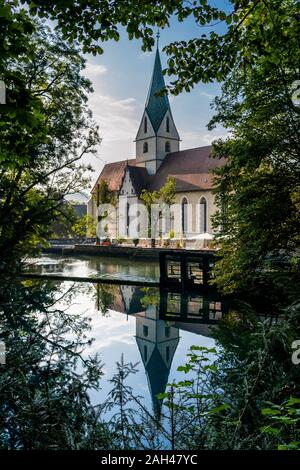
x: 167, y: 353
x: 145, y: 147
x: 145, y: 125
x: 167, y: 331
x: 167, y: 147
x: 160, y: 222
x: 168, y: 124
x: 127, y: 218
x: 184, y: 215
x: 145, y: 330
x: 203, y: 215
x: 145, y: 353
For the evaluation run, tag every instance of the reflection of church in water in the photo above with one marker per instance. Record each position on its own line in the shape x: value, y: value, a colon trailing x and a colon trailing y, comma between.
x: 158, y: 321
x: 157, y: 343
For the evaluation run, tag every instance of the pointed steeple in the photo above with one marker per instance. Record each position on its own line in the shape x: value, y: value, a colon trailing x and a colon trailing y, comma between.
x: 157, y: 344
x: 157, y: 106
x: 157, y: 134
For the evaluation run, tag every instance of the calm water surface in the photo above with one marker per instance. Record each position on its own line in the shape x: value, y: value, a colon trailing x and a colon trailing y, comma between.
x: 145, y: 326
x: 85, y: 266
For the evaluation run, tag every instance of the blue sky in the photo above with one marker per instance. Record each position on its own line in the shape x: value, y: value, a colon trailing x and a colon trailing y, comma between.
x: 121, y: 78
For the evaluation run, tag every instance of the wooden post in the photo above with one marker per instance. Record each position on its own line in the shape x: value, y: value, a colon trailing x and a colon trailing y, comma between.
x: 162, y: 267
x: 205, y: 265
x: 163, y: 304
x: 183, y: 306
x: 183, y: 270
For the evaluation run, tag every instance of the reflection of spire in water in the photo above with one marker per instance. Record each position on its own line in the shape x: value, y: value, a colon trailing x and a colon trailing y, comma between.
x: 157, y: 343
x: 156, y: 339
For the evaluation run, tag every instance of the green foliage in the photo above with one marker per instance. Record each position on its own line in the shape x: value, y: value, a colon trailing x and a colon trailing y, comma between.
x: 164, y: 197
x: 240, y: 397
x: 45, y: 129
x: 171, y: 235
x: 45, y: 382
x: 104, y: 195
x: 243, y: 394
x: 120, y: 240
x: 150, y: 296
x: 64, y: 219
x: 149, y: 198
x: 284, y: 422
x: 210, y: 56
x: 105, y: 295
x: 84, y: 226
x: 167, y: 192
x: 257, y: 191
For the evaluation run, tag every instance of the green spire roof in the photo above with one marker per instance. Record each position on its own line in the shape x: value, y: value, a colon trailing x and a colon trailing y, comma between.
x: 157, y: 106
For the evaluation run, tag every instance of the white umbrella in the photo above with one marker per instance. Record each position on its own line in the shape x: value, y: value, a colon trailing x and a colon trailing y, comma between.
x: 202, y: 236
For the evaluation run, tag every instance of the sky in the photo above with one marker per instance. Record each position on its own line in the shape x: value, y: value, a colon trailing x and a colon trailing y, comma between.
x: 121, y: 78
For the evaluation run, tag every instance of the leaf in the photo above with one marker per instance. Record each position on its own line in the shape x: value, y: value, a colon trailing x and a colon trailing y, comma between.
x: 270, y: 412
x: 225, y: 406
x: 185, y: 368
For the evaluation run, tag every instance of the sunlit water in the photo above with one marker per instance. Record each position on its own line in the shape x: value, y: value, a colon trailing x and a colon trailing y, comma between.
x: 90, y: 266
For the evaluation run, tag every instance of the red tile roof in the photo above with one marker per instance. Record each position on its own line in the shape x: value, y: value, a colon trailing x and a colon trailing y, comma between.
x: 190, y: 168
x: 113, y: 173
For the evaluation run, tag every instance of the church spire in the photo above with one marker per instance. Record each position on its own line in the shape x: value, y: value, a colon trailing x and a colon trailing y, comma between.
x: 157, y: 135
x: 157, y: 106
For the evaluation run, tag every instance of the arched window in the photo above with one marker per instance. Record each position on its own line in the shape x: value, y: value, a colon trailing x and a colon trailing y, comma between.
x: 127, y: 218
x: 160, y: 223
x: 184, y: 215
x: 167, y: 147
x: 145, y: 330
x: 145, y: 125
x: 168, y: 124
x: 203, y: 215
x: 167, y: 353
x: 145, y: 147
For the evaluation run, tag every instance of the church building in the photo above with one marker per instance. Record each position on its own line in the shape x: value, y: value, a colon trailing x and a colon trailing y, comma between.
x: 158, y: 156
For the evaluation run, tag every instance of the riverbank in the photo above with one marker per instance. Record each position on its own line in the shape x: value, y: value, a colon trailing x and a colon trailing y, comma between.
x: 119, y: 251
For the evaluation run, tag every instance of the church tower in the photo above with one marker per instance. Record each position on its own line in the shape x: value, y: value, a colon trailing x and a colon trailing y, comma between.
x: 157, y: 135
x: 157, y: 343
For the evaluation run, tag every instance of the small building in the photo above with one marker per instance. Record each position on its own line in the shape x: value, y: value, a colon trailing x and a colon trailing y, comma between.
x: 158, y: 156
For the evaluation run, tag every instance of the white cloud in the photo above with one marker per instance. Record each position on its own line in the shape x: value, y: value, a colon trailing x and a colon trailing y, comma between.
x: 210, y: 96
x: 118, y: 120
x: 92, y: 71
x: 191, y: 139
x: 145, y: 55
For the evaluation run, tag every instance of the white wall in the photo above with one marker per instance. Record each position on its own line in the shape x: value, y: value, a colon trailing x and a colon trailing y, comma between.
x: 156, y: 143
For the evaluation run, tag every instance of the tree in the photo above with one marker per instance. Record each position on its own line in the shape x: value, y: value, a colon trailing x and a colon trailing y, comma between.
x: 237, y: 33
x: 257, y: 191
x: 46, y: 128
x: 167, y: 192
x: 45, y: 383
x: 164, y: 197
x: 256, y: 39
x: 104, y: 195
x: 84, y: 226
x: 149, y: 198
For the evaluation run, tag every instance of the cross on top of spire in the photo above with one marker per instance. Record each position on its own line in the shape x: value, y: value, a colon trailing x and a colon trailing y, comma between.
x: 157, y: 37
